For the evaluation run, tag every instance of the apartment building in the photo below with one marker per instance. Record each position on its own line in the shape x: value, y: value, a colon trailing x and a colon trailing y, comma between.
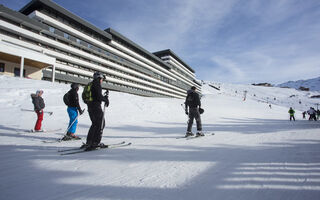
x: 45, y: 41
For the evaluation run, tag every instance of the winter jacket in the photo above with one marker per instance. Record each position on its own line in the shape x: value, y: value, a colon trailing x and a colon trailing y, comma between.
x: 74, y: 99
x: 291, y: 111
x: 195, y: 99
x: 37, y: 102
x: 96, y: 92
x: 311, y: 112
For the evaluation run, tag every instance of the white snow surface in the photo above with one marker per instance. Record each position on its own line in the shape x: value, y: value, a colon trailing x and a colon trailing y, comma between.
x: 256, y: 152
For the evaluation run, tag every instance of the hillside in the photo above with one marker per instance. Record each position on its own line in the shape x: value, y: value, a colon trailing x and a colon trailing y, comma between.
x: 256, y: 152
x: 312, y: 84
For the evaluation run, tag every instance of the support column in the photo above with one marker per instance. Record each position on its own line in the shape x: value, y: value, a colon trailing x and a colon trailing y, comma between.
x: 21, y: 67
x: 53, y: 75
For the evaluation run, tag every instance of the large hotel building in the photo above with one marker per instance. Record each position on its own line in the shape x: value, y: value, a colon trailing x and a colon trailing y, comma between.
x: 47, y: 42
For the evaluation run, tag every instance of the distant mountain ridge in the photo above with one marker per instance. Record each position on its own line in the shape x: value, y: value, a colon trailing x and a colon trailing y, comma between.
x: 312, y: 84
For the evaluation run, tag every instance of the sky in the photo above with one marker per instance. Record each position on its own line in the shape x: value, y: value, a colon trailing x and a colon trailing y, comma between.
x: 230, y: 41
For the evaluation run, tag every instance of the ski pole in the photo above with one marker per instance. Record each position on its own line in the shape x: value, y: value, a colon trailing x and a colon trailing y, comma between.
x: 106, y: 94
x: 102, y: 121
x: 29, y: 110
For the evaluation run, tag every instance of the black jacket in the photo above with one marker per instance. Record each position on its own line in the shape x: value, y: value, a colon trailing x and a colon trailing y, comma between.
x: 96, y: 92
x: 74, y: 99
x: 195, y: 102
x: 37, y: 102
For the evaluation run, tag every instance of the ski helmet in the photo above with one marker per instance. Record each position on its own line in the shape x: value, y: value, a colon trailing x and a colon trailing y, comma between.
x: 97, y: 75
x: 74, y: 85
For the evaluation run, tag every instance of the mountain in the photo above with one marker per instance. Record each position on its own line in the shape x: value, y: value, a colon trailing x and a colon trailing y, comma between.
x: 312, y: 84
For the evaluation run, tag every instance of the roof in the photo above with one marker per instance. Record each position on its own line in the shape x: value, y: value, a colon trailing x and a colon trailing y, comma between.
x: 37, y: 4
x: 21, y: 18
x: 171, y: 53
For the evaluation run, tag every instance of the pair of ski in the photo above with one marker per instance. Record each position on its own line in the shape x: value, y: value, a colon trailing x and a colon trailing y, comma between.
x: 61, y: 140
x: 83, y: 150
x: 195, y: 137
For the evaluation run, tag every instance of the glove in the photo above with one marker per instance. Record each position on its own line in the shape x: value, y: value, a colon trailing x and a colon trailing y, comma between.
x: 81, y: 111
x: 106, y: 104
x: 187, y: 113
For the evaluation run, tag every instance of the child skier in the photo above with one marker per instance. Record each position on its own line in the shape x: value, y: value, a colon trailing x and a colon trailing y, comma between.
x: 39, y: 105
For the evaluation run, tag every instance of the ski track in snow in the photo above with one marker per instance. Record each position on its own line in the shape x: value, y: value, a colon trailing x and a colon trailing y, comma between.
x: 256, y: 152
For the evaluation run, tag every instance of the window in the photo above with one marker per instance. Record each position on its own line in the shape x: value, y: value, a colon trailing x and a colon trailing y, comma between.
x: 17, y: 72
x: 1, y: 67
x: 51, y: 29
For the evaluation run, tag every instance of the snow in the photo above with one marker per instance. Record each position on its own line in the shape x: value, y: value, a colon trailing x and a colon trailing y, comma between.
x: 256, y: 152
x: 313, y: 84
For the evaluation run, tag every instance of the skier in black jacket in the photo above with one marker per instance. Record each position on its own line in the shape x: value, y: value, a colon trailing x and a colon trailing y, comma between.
x: 73, y: 108
x: 95, y: 112
x: 194, y: 104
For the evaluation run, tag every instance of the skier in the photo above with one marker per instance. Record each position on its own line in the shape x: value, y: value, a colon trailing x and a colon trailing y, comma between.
x: 291, y: 112
x: 318, y: 114
x: 194, y: 104
x: 95, y: 112
x: 73, y: 108
x: 39, y: 105
x: 312, y: 114
x: 304, y: 114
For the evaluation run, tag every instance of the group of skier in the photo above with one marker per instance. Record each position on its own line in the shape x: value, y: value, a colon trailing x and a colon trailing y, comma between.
x: 93, y: 98
x: 313, y: 114
x: 71, y: 99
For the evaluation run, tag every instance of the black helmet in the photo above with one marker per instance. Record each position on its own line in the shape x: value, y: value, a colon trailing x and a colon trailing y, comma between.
x: 74, y: 85
x: 97, y: 75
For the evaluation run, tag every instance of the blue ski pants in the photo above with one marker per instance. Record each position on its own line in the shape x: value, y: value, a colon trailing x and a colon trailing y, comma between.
x: 73, y: 114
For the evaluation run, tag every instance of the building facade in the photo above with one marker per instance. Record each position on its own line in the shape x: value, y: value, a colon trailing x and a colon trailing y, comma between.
x: 45, y: 41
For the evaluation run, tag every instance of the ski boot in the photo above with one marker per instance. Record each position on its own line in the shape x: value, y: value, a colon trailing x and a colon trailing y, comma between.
x: 189, y: 134
x: 199, y: 134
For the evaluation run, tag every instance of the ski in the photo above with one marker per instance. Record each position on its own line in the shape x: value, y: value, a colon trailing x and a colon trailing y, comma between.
x: 44, y: 131
x: 79, y: 148
x: 60, y: 140
x: 193, y: 137
x: 99, y: 148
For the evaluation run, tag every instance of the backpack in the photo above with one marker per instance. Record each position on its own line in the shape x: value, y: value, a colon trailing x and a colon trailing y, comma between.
x: 87, y: 94
x: 190, y: 98
x: 66, y: 98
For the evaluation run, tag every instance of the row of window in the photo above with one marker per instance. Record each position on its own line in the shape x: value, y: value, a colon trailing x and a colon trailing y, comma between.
x: 95, y: 48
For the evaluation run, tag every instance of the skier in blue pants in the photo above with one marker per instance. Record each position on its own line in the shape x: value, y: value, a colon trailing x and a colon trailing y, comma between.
x: 73, y: 108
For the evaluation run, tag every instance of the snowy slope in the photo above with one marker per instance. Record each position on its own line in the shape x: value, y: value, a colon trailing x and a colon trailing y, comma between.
x: 312, y: 84
x: 256, y: 152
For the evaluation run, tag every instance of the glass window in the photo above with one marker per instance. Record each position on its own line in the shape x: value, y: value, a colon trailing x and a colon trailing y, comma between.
x: 17, y: 72
x: 1, y: 67
x: 51, y: 29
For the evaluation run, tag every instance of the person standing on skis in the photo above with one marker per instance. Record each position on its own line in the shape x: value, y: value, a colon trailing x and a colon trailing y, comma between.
x: 39, y: 105
x: 194, y: 104
x: 73, y: 109
x: 291, y: 113
x: 95, y: 112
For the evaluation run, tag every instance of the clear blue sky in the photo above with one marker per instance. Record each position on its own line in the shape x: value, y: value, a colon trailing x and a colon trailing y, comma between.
x: 232, y: 41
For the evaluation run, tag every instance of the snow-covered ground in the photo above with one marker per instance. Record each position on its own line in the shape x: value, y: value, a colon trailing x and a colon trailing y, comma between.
x: 256, y: 152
